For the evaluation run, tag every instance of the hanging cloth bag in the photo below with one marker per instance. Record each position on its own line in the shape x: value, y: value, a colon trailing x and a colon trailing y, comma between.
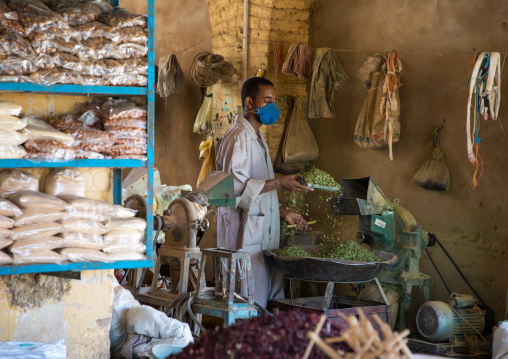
x: 300, y: 145
x: 203, y: 123
x: 207, y: 153
x: 288, y: 168
x: 434, y: 173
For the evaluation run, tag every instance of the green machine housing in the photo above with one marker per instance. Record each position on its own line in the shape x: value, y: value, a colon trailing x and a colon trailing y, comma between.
x: 389, y: 227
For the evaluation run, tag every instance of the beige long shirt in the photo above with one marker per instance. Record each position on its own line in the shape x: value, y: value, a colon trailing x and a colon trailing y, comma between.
x: 255, y: 224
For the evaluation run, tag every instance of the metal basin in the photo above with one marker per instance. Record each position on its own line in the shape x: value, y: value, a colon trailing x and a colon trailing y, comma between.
x: 316, y: 269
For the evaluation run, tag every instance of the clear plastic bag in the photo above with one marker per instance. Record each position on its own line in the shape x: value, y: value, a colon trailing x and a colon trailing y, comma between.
x: 14, y: 44
x: 127, y: 122
x: 64, y: 122
x: 45, y: 62
x: 92, y: 80
x: 92, y: 215
x: 105, y: 67
x: 300, y: 145
x: 36, y: 17
x: 9, y: 209
x: 126, y: 150
x: 6, y: 259
x: 37, y: 129
x: 87, y: 134
x: 135, y: 65
x: 127, y: 111
x: 62, y: 181
x: 134, y: 34
x: 87, y: 205
x: 129, y: 141
x: 125, y: 80
x: 10, y: 108
x: 49, y: 149
x: 12, y: 123
x: 16, y: 181
x: 83, y: 226
x: 132, y: 157
x: 35, y: 6
x: 14, y: 65
x: 13, y: 25
x: 33, y: 199
x: 38, y: 215
x: 6, y: 222
x: 89, y: 155
x: 83, y: 255
x: 126, y: 224
x: 36, y: 230
x: 17, y: 78
x: 97, y: 48
x: 54, y: 33
x: 129, y: 256
x: 130, y: 50
x: 122, y: 212
x: 12, y: 152
x: 95, y: 29
x: 57, y: 76
x: 12, y: 138
x: 56, y: 44
x: 134, y: 247
x: 103, y: 5
x: 128, y: 132
x: 37, y: 257
x: 81, y: 240
x: 124, y: 236
x: 38, y: 244
x: 67, y: 61
x: 119, y: 18
x: 79, y: 14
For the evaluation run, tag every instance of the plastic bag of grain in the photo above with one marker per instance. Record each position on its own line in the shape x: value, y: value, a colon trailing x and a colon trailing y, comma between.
x: 83, y: 226
x: 130, y: 236
x: 65, y: 181
x: 6, y: 222
x: 38, y: 215
x: 81, y: 240
x: 37, y: 257
x: 6, y: 233
x: 9, y: 209
x: 5, y: 258
x: 5, y: 242
x: 12, y: 152
x: 83, y: 255
x: 37, y: 129
x: 126, y: 224
x: 12, y: 138
x: 36, y: 230
x: 12, y: 123
x: 35, y: 244
x: 134, y: 247
x: 113, y: 257
x: 82, y: 214
x: 9, y: 108
x: 83, y: 204
x: 122, y: 212
x: 16, y: 181
x: 33, y: 199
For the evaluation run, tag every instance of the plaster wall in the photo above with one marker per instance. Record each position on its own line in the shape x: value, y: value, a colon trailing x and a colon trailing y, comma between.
x: 435, y: 39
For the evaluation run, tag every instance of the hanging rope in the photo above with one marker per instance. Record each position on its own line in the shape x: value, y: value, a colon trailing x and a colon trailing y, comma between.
x: 207, y: 69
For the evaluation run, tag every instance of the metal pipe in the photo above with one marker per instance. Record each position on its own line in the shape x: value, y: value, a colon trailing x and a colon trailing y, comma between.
x: 245, y: 31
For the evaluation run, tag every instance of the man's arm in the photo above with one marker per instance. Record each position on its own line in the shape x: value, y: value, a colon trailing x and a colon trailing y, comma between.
x: 289, y: 183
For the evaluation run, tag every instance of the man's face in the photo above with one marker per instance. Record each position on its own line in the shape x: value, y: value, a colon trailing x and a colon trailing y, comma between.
x: 266, y: 95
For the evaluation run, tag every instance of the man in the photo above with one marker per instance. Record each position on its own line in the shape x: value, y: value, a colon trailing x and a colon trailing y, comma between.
x: 255, y: 224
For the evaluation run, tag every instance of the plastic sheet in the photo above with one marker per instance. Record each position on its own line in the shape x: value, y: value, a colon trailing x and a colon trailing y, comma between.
x: 62, y: 181
x: 37, y: 257
x: 6, y: 259
x: 49, y: 149
x: 81, y: 240
x: 9, y: 209
x: 79, y: 14
x: 124, y: 236
x: 33, y: 199
x: 83, y: 255
x: 12, y: 181
x: 12, y: 152
x: 84, y: 226
x: 126, y: 224
x: 15, y: 65
x: 134, y: 247
x: 14, y: 44
x: 121, y: 212
x: 12, y: 123
x: 37, y: 129
x: 119, y: 18
x: 57, y: 76
x: 38, y: 215
x: 89, y: 155
x: 133, y: 123
x: 125, y: 80
x: 9, y: 108
x: 125, y: 150
x: 36, y: 230
x: 11, y: 138
x: 87, y: 205
x: 33, y: 350
x: 135, y: 34
x: 38, y: 244
x: 6, y: 222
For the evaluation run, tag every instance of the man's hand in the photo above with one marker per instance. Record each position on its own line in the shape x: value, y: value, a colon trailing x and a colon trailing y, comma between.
x: 289, y: 183
x: 294, y: 218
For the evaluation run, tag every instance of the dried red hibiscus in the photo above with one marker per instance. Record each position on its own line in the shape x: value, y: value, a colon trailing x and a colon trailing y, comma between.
x: 282, y: 336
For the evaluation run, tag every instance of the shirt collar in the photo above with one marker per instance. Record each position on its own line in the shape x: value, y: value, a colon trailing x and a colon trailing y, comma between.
x: 248, y: 128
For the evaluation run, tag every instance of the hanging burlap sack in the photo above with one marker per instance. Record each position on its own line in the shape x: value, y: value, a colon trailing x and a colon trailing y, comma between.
x: 434, y: 173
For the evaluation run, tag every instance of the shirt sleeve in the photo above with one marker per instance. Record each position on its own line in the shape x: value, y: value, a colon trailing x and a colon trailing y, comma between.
x: 234, y: 157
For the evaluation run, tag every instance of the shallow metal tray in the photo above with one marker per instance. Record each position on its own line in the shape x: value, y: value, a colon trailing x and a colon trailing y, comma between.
x: 316, y: 269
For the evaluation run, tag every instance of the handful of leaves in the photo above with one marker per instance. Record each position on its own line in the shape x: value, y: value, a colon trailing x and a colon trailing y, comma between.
x: 316, y: 177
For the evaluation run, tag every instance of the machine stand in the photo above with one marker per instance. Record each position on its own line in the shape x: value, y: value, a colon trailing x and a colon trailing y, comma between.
x: 223, y: 302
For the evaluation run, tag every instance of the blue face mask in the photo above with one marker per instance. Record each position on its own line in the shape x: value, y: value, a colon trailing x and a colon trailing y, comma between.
x: 268, y: 114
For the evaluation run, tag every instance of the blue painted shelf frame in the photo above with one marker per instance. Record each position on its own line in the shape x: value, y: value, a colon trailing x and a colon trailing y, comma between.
x: 117, y: 165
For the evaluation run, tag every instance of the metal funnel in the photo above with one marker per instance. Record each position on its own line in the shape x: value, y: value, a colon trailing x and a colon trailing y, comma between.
x: 218, y: 188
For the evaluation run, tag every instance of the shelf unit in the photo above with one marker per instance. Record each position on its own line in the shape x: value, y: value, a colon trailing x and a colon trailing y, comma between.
x: 116, y: 165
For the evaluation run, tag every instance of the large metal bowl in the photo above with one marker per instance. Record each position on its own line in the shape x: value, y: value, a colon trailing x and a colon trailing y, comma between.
x: 316, y: 269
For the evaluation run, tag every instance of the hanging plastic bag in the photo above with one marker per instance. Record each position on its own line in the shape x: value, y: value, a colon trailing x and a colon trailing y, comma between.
x: 203, y: 124
x: 208, y: 154
x: 300, y: 145
x: 279, y: 165
x: 434, y: 173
